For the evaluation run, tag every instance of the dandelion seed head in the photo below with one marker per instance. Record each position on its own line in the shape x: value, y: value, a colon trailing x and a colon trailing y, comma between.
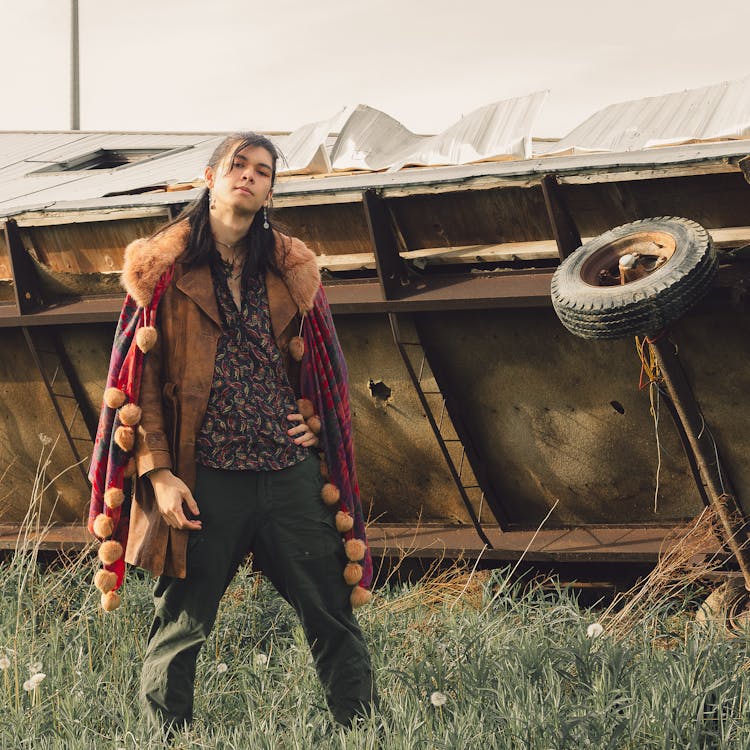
x: 44, y: 439
x: 34, y: 667
x: 260, y: 660
x: 33, y: 682
x: 221, y: 667
x: 594, y: 630
x: 4, y: 662
x: 438, y: 699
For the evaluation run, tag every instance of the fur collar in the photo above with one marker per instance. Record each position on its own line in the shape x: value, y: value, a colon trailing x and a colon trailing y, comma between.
x: 147, y: 259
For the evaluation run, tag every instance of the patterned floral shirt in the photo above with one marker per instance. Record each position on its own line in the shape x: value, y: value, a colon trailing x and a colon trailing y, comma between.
x: 245, y: 423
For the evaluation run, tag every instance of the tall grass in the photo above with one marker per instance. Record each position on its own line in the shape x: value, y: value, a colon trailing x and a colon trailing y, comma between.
x: 513, y: 663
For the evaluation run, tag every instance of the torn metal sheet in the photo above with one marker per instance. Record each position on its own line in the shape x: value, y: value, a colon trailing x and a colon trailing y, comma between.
x: 374, y: 141
x: 710, y: 113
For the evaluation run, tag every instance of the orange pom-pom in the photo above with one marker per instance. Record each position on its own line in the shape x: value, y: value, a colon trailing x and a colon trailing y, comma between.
x: 344, y: 522
x: 353, y: 573
x: 114, y: 497
x: 145, y: 338
x: 130, y: 415
x: 330, y: 493
x: 125, y: 438
x: 110, y: 552
x: 105, y: 580
x: 355, y: 549
x: 313, y: 423
x: 305, y: 407
x: 114, y: 398
x: 110, y: 601
x: 296, y: 348
x: 359, y: 597
x: 129, y: 470
x: 103, y: 526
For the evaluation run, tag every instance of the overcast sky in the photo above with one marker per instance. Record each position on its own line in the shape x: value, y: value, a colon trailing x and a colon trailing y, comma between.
x: 187, y: 65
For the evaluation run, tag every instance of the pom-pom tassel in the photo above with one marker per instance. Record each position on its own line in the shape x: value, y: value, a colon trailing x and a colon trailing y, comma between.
x: 330, y: 493
x: 125, y: 438
x: 114, y: 497
x: 145, y: 338
x: 114, y: 398
x: 314, y: 424
x: 355, y: 549
x: 359, y: 597
x: 344, y: 522
x: 305, y: 407
x: 110, y: 601
x: 130, y: 415
x: 296, y: 348
x: 110, y: 552
x: 353, y: 573
x: 103, y: 526
x: 105, y: 580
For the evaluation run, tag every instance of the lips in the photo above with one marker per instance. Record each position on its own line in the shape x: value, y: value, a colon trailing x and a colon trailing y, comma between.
x: 244, y: 190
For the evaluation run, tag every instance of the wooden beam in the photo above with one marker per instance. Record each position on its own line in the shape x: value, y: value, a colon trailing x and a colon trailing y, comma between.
x: 25, y: 280
x: 727, y: 237
x: 564, y: 228
x: 392, y: 271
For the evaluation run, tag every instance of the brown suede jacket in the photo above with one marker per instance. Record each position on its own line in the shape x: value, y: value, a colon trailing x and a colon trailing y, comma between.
x: 178, y: 371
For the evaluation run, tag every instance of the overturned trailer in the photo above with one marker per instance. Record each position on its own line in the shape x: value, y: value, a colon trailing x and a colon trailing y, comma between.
x: 482, y: 426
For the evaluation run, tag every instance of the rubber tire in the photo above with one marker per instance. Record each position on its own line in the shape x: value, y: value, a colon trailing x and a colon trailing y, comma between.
x: 725, y: 606
x: 646, y: 306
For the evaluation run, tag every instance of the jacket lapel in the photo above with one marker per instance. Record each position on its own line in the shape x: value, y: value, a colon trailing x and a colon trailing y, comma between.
x: 197, y: 284
x: 280, y: 304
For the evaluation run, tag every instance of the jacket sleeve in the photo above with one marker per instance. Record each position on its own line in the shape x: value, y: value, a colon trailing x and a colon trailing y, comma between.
x: 152, y: 447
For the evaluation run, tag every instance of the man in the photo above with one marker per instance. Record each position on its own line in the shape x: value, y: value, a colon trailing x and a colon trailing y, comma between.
x: 226, y: 374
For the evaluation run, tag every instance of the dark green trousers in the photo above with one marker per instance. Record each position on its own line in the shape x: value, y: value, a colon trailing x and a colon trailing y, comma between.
x: 280, y: 518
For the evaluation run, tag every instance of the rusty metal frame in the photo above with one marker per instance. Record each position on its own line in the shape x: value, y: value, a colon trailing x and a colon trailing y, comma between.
x: 713, y: 480
x: 392, y: 270
x: 25, y: 280
x: 55, y: 403
x: 393, y: 275
x: 564, y: 228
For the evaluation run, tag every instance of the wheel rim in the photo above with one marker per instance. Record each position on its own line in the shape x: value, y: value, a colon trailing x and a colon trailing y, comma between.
x: 651, y: 251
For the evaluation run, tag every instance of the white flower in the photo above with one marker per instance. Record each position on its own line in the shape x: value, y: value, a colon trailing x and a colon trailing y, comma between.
x: 4, y: 662
x: 438, y: 699
x: 594, y: 630
x: 221, y: 667
x: 260, y: 660
x: 44, y: 439
x: 33, y: 681
x: 34, y: 667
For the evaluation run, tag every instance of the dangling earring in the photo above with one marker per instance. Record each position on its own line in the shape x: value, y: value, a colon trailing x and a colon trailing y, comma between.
x: 211, y: 199
x: 266, y: 225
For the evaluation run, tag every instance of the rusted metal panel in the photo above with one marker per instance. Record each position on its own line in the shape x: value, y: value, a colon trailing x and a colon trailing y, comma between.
x: 87, y: 248
x: 559, y: 420
x: 622, y: 544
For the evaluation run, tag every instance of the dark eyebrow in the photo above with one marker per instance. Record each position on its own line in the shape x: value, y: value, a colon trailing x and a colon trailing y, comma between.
x: 267, y: 166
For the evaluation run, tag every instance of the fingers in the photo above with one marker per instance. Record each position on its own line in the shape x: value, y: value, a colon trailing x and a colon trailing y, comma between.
x: 174, y: 514
x: 191, y: 504
x: 177, y: 520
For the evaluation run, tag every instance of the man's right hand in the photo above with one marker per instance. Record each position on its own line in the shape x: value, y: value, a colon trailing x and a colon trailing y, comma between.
x: 172, y: 494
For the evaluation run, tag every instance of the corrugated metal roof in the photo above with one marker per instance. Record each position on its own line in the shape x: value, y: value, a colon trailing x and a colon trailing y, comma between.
x: 372, y: 140
x: 367, y: 140
x: 717, y: 112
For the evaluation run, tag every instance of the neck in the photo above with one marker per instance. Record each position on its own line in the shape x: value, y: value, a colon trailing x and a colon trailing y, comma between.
x: 228, y: 230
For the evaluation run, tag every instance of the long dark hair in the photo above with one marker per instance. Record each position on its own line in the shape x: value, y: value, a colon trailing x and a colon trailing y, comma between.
x: 260, y: 243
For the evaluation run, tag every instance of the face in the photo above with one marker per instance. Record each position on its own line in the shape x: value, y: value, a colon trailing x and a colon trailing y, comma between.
x: 242, y: 182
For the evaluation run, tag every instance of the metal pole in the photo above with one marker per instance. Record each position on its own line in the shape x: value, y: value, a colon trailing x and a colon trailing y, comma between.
x: 75, y: 101
x: 714, y: 479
